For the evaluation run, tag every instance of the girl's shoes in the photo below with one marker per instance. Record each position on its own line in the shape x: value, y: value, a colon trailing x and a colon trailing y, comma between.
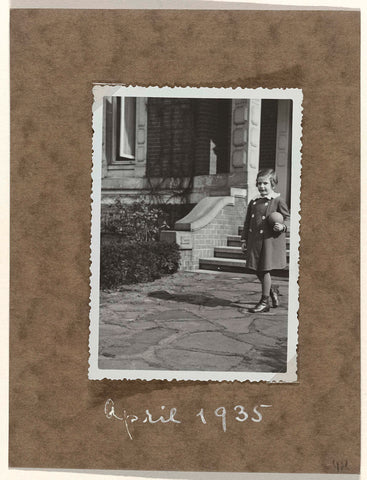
x: 274, y: 292
x: 262, y: 306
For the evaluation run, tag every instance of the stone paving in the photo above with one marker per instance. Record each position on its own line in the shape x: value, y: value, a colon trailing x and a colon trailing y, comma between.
x: 193, y: 321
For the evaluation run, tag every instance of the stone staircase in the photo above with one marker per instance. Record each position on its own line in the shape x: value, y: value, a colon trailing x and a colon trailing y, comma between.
x: 230, y: 258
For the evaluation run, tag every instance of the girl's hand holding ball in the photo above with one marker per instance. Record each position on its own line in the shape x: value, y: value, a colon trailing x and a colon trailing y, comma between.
x: 278, y: 227
x: 276, y: 220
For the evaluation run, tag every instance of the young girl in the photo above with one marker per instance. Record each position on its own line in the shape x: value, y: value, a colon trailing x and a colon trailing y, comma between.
x: 263, y: 240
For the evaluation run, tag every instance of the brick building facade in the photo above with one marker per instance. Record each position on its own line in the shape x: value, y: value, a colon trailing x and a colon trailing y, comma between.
x: 188, y: 150
x: 206, y: 145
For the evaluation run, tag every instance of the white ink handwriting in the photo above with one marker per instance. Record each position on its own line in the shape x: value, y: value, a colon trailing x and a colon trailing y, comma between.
x: 241, y: 415
x: 109, y: 410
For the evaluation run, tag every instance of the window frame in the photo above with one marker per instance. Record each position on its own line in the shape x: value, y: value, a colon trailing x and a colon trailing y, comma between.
x: 113, y: 135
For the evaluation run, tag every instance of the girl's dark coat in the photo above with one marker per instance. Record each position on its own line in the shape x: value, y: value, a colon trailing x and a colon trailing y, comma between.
x: 267, y: 250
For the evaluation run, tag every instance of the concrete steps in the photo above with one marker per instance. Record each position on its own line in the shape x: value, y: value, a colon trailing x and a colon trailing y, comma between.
x: 230, y: 258
x: 234, y: 240
x: 233, y: 265
x: 229, y: 252
x: 233, y: 252
x: 223, y: 264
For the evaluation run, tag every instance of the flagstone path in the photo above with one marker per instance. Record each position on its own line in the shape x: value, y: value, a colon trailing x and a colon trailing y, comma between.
x: 193, y: 321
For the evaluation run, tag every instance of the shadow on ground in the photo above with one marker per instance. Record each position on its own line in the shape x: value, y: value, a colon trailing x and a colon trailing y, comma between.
x: 193, y: 298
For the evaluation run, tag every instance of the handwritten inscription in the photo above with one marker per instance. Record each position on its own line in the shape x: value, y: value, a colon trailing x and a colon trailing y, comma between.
x: 169, y: 416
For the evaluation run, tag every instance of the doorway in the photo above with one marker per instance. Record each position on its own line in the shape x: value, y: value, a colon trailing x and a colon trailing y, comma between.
x: 275, y: 142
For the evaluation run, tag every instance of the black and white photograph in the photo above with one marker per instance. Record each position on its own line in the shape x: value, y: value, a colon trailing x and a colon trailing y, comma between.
x: 195, y: 233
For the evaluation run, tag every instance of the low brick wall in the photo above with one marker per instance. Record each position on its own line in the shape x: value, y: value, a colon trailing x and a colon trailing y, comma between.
x: 214, y: 234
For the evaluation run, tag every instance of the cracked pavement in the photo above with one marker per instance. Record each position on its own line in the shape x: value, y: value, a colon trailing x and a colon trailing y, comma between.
x: 193, y: 321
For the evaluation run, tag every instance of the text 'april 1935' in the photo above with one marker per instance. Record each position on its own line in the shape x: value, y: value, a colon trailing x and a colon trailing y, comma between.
x: 239, y: 413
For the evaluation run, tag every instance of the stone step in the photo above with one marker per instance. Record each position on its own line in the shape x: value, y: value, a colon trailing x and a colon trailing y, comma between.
x: 234, y: 252
x: 229, y: 252
x: 233, y: 265
x: 241, y: 228
x: 235, y: 241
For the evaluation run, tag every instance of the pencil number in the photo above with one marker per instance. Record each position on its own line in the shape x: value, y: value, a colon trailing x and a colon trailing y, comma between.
x: 340, y: 465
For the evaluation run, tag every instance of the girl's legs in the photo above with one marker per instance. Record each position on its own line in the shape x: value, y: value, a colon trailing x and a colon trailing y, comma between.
x: 265, y: 279
x: 267, y: 289
x: 263, y: 305
x: 266, y: 284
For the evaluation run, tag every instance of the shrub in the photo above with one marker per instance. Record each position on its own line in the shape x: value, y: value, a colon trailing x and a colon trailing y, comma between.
x: 139, y: 221
x: 124, y: 262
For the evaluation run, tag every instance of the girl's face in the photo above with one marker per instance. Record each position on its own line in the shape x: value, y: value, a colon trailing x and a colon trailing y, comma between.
x: 264, y: 186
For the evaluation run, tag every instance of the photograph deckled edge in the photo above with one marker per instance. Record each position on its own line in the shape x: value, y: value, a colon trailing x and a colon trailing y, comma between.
x: 101, y: 90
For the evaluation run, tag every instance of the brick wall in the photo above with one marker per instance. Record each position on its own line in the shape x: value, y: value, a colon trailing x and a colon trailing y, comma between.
x: 169, y: 142
x: 180, y: 131
x: 268, y: 133
x: 214, y: 234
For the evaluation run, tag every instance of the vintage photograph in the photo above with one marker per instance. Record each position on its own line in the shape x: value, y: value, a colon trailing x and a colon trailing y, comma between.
x: 195, y: 233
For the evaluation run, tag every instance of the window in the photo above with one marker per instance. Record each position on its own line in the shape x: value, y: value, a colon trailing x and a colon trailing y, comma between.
x: 126, y: 108
x: 119, y: 130
x: 188, y: 136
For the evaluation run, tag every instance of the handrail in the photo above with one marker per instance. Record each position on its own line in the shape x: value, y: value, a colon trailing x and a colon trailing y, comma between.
x: 203, y: 213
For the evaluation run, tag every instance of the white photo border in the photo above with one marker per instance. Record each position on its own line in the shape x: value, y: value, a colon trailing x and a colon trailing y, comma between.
x: 294, y: 94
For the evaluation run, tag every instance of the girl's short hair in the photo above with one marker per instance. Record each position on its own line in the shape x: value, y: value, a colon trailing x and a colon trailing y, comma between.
x: 268, y: 173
